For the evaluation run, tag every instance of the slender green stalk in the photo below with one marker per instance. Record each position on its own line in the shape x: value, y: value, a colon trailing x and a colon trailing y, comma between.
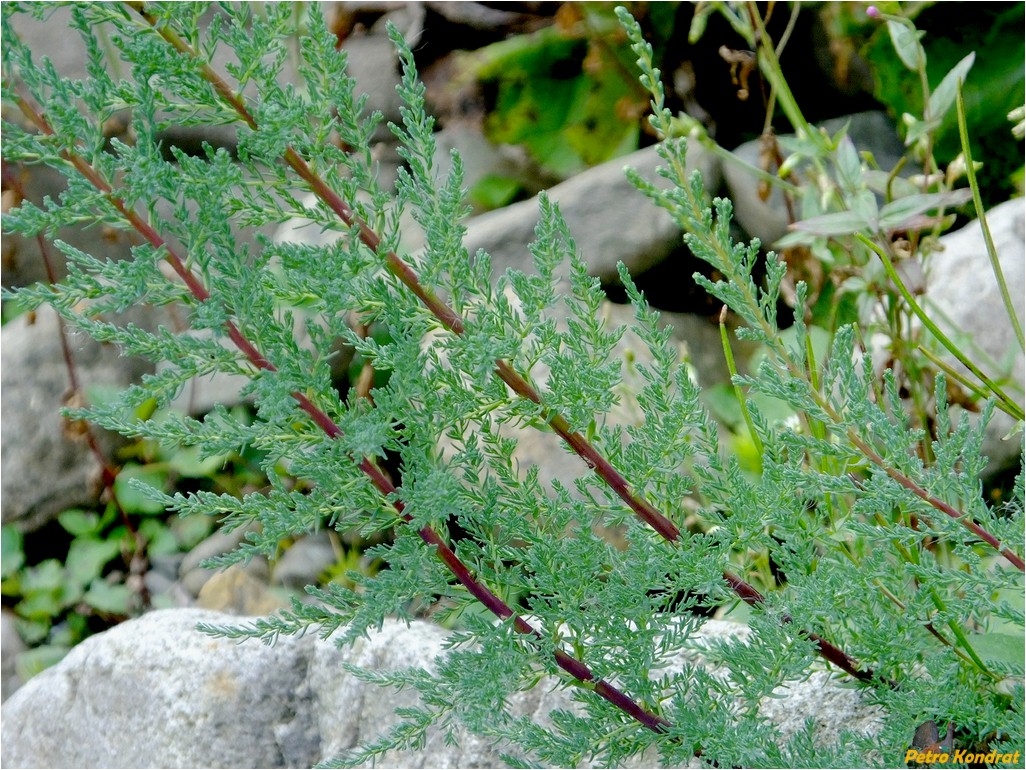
x: 953, y: 373
x: 1004, y: 401
x: 738, y: 393
x: 970, y: 657
x: 692, y: 215
x: 725, y: 155
x: 771, y: 70
x: 981, y: 216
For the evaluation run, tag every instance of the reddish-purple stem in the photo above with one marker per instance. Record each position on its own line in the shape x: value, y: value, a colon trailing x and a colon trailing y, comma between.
x: 452, y: 321
x: 576, y: 668
x: 940, y: 505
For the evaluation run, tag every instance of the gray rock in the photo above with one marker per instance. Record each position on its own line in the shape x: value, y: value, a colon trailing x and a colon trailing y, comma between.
x: 11, y: 645
x: 34, y: 444
x: 44, y: 468
x: 239, y: 591
x: 166, y: 564
x: 158, y: 584
x: 218, y: 543
x: 768, y: 220
x: 154, y: 692
x: 374, y: 64
x: 304, y: 561
x: 67, y: 51
x: 239, y: 585
x: 475, y: 15
x: 962, y: 295
x: 608, y: 217
x: 201, y: 394
x: 23, y: 262
x: 872, y: 132
x: 610, y: 220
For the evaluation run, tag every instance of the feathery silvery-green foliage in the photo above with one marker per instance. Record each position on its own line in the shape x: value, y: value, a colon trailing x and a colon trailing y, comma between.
x: 890, y: 574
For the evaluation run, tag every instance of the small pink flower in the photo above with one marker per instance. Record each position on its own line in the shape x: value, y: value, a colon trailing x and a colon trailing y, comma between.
x: 873, y: 12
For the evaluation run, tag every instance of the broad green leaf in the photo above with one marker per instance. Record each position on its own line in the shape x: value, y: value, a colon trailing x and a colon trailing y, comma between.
x: 995, y: 88
x: 796, y: 238
x: 864, y: 205
x: 189, y: 531
x: 88, y: 556
x: 900, y: 212
x: 745, y: 449
x: 1004, y: 648
x: 11, y: 554
x: 1015, y: 599
x: 493, y: 191
x: 103, y: 596
x: 110, y: 515
x: 881, y: 181
x: 906, y: 38
x: 41, y: 606
x: 188, y: 462
x: 943, y: 95
x: 566, y: 116
x: 722, y: 402
x: 160, y: 540
x: 838, y: 223
x: 849, y: 166
x: 917, y: 129
x: 135, y: 500
x: 45, y: 576
x: 78, y: 522
x: 71, y: 630
x: 32, y: 630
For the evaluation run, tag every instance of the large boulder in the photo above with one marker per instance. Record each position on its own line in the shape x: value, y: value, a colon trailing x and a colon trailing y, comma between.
x: 961, y: 294
x: 610, y: 219
x: 156, y: 692
x: 47, y: 465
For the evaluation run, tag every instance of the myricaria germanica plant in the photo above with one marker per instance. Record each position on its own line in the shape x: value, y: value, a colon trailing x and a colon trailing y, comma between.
x: 897, y: 570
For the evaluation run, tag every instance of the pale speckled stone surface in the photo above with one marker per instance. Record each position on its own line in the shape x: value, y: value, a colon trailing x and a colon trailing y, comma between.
x: 155, y: 692
x: 962, y: 295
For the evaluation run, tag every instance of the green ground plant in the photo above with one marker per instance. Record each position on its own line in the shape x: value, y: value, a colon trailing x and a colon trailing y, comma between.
x: 890, y: 567
x: 92, y: 573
